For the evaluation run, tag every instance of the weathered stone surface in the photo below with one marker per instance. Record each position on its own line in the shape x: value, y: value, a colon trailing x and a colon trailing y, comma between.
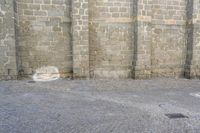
x: 111, y: 37
x: 80, y: 38
x: 195, y: 60
x: 44, y: 35
x: 8, y: 69
x: 101, y: 38
x: 160, y: 43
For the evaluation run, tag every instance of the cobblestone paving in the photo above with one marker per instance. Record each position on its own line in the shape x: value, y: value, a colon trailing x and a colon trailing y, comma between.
x: 99, y: 106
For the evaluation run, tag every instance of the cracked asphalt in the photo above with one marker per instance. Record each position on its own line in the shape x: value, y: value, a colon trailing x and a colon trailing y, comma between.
x: 100, y: 106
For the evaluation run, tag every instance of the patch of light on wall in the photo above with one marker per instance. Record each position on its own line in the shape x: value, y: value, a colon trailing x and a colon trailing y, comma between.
x: 45, y: 74
x: 195, y: 94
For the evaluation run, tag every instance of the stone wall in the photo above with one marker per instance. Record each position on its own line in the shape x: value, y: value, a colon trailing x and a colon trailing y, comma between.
x: 162, y: 24
x: 101, y: 38
x: 44, y: 35
x: 8, y: 68
x: 111, y: 37
x: 168, y: 38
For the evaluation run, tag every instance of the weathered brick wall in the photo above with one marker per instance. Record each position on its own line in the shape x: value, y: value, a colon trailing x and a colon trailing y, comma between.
x: 8, y: 69
x: 168, y: 38
x: 111, y: 37
x: 161, y: 38
x: 44, y: 35
x: 101, y: 38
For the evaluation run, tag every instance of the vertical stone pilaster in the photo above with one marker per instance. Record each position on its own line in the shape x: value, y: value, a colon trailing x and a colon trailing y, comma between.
x: 192, y: 66
x: 195, y: 60
x: 142, y: 41
x: 8, y: 67
x: 189, y: 37
x: 80, y: 38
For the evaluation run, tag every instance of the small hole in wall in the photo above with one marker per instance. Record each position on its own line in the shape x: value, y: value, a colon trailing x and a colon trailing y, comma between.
x: 21, y: 72
x: 9, y: 71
